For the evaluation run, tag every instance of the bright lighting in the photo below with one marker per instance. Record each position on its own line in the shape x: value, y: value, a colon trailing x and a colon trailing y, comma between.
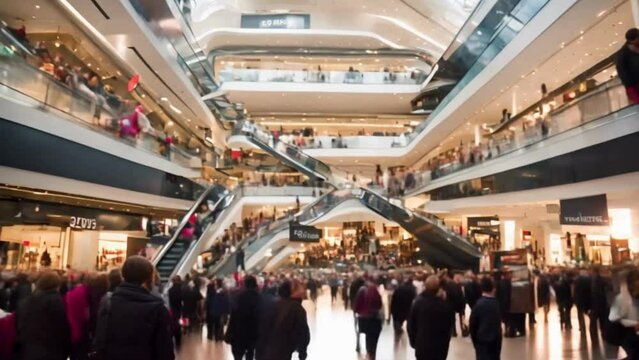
x: 620, y: 223
x: 175, y: 109
x: 509, y: 234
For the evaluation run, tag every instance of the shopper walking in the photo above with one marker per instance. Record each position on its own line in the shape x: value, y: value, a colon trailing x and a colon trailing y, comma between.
x: 400, y: 304
x: 217, y: 309
x: 583, y: 288
x: 244, y: 321
x: 625, y: 313
x: 175, y: 306
x: 283, y: 328
x: 430, y: 321
x: 368, y: 307
x: 134, y: 324
x: 627, y: 64
x: 42, y: 329
x: 485, y: 323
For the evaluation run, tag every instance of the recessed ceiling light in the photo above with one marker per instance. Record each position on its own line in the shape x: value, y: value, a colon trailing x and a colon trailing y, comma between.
x: 33, y: 17
x: 37, y: 6
x: 163, y: 99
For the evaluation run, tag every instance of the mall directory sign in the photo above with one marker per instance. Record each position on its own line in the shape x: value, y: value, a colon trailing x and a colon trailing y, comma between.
x: 303, y: 233
x: 276, y: 21
x: 589, y: 211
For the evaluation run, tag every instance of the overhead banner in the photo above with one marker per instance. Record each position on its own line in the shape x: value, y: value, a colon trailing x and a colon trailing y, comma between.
x: 276, y: 21
x: 303, y: 233
x: 590, y: 211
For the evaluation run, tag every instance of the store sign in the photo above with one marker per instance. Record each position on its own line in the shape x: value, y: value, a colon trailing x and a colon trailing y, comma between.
x: 590, y: 211
x: 78, y: 222
x: 276, y: 21
x: 303, y: 233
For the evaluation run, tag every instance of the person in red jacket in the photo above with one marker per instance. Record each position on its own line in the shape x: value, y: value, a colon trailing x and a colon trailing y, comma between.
x: 368, y: 306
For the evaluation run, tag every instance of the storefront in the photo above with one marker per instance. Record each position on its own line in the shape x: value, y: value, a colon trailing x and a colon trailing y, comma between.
x: 45, y: 235
x: 484, y: 232
x: 593, y: 233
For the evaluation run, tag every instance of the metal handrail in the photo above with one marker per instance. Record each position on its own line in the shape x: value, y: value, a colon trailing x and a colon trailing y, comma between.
x: 183, y: 223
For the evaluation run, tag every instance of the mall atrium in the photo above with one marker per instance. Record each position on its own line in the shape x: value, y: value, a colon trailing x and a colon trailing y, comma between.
x: 376, y: 160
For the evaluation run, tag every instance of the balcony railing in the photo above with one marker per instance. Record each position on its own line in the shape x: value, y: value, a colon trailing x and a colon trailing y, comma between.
x: 535, y: 127
x: 22, y: 82
x: 330, y: 77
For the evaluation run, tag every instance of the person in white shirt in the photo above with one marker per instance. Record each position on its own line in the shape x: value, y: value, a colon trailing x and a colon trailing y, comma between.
x: 625, y: 311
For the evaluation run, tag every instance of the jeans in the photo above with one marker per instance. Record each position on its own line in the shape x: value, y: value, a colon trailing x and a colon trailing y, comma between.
x: 488, y: 350
x: 214, y: 328
x: 241, y: 352
x: 372, y: 328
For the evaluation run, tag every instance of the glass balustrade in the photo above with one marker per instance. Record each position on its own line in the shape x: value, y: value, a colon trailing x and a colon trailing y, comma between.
x: 534, y: 127
x: 22, y: 82
x: 329, y: 77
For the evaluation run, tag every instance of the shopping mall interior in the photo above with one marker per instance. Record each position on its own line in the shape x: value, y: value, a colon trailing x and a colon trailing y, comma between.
x: 319, y: 143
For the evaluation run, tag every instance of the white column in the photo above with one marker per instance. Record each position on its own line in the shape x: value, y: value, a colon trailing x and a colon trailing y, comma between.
x: 635, y: 11
x: 477, y: 135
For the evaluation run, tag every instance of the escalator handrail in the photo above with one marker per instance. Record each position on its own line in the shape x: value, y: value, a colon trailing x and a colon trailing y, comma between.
x: 416, y: 214
x: 193, y: 245
x: 274, y: 228
x: 313, y: 169
x: 183, y: 223
x: 252, y: 132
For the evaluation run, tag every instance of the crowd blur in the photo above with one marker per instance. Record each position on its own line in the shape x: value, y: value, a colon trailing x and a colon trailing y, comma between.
x: 112, y: 110
x: 127, y: 313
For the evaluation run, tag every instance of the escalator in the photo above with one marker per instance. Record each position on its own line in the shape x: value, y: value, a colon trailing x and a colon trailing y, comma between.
x: 287, y: 154
x: 177, y: 249
x: 274, y: 237
x: 440, y: 247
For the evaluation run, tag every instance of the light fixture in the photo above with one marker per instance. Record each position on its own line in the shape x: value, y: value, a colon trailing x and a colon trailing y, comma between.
x: 37, y: 6
x: 175, y: 109
x: 163, y: 99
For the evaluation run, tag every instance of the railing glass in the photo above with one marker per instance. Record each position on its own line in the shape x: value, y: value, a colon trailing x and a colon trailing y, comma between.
x: 329, y: 77
x: 22, y: 82
x: 555, y: 117
x: 185, y: 237
x: 265, y: 140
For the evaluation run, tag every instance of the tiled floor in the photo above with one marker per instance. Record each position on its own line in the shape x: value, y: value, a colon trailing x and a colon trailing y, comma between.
x: 332, y: 338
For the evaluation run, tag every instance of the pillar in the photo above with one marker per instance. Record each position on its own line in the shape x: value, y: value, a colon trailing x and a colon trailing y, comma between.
x: 635, y: 11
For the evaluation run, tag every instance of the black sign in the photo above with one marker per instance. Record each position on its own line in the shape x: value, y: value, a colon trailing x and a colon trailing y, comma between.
x: 483, y: 222
x: 13, y: 212
x: 276, y: 21
x: 591, y: 210
x: 303, y: 233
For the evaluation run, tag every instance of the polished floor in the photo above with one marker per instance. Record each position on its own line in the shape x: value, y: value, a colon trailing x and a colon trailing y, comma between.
x: 332, y: 338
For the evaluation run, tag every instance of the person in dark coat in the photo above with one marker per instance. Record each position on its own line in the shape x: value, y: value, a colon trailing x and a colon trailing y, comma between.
x: 217, y: 308
x: 455, y: 298
x: 43, y: 332
x: 400, y: 304
x: 244, y: 322
x: 192, y: 304
x: 21, y: 291
x: 599, y: 305
x: 429, y: 322
x: 627, y: 64
x: 175, y: 305
x: 133, y: 323
x: 472, y: 291
x: 504, y: 291
x: 485, y: 323
x: 543, y: 293
x: 283, y: 328
x: 563, y: 291
x: 583, y: 287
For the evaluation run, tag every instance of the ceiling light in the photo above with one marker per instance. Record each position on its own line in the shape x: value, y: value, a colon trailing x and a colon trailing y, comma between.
x: 33, y: 17
x: 620, y: 23
x: 175, y: 109
x: 37, y: 6
x: 601, y: 13
x: 163, y: 99
x: 143, y: 95
x: 189, y: 120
